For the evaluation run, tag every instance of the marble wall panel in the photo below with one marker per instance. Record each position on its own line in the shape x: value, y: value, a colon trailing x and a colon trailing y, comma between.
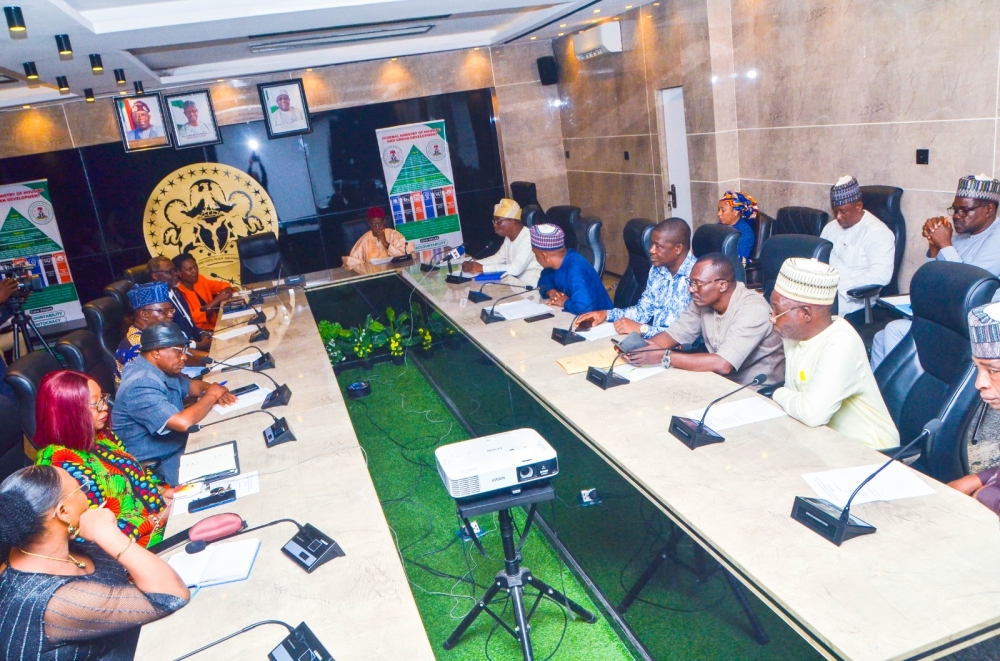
x: 92, y: 123
x: 704, y: 203
x: 516, y: 63
x: 701, y: 157
x: 34, y: 130
x: 607, y: 154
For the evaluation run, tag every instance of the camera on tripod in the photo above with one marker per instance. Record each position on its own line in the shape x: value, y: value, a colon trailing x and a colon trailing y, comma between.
x: 27, y: 282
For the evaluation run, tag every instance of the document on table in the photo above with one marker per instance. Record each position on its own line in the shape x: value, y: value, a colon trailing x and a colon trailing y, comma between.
x: 217, y: 564
x: 244, y: 485
x: 215, y: 462
x: 739, y: 413
x: 901, y: 303
x: 235, y: 332
x: 895, y: 482
x: 194, y: 372
x: 242, y: 359
x: 237, y: 314
x: 245, y: 401
x: 634, y: 374
x: 599, y: 332
x: 521, y: 309
x: 601, y: 358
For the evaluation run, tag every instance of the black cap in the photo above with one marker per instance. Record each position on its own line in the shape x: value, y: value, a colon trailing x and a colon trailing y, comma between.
x: 161, y: 335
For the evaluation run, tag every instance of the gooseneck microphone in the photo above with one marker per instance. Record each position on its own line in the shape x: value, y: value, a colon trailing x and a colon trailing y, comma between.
x: 480, y: 297
x: 568, y: 335
x: 695, y: 434
x: 490, y: 316
x: 276, y: 434
x: 757, y: 380
x: 229, y: 280
x: 609, y: 379
x: 837, y: 525
x: 278, y: 397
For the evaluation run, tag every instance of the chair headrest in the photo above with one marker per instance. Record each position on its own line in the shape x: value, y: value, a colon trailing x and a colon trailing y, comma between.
x: 712, y: 238
x: 944, y: 292
x: 800, y: 220
x: 633, y: 236
x: 82, y: 350
x: 258, y: 245
x: 884, y: 203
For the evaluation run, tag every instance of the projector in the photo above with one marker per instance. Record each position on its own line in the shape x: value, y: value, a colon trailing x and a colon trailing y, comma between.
x: 505, y: 461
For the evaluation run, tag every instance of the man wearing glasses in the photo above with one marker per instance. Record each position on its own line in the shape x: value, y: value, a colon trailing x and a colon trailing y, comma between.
x: 149, y: 415
x: 515, y: 256
x: 971, y: 237
x: 161, y: 269
x: 735, y: 325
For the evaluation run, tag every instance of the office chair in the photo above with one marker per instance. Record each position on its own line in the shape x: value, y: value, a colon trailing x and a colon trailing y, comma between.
x: 106, y: 320
x: 11, y: 439
x: 138, y: 275
x: 780, y: 247
x: 589, y: 243
x: 532, y: 215
x: 524, y: 193
x: 81, y: 350
x: 763, y: 226
x: 637, y: 235
x: 717, y: 237
x: 260, y: 258
x: 25, y: 376
x: 800, y: 220
x: 566, y: 217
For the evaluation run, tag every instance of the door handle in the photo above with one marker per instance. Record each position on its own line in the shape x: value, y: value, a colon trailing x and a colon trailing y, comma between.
x: 673, y: 196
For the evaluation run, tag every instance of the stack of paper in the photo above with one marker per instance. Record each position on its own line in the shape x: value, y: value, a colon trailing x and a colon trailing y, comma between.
x: 225, y: 562
x: 607, y: 329
x: 214, y: 461
x: 737, y: 414
x: 634, y: 374
x: 244, y: 401
x: 521, y: 309
x: 895, y: 482
x: 601, y: 358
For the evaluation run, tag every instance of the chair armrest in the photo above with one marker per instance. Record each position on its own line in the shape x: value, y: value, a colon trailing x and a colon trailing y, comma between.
x: 768, y: 390
x: 907, y: 457
x: 866, y: 291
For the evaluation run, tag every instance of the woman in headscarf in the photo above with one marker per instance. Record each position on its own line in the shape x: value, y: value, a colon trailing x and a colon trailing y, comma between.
x: 739, y: 210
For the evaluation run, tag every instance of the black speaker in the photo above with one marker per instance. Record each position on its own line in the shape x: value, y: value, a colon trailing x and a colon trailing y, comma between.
x: 548, y: 70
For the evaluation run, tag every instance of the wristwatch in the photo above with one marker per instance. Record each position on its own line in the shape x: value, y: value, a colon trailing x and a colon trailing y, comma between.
x: 643, y: 329
x: 665, y: 361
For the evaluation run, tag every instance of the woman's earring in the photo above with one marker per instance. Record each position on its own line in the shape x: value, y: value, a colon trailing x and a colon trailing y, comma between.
x: 72, y: 530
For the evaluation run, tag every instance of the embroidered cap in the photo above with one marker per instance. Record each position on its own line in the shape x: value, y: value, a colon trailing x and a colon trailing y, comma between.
x: 808, y: 281
x: 507, y: 208
x: 547, y: 237
x: 845, y: 191
x: 984, y: 330
x: 979, y: 187
x: 375, y: 212
x: 148, y: 294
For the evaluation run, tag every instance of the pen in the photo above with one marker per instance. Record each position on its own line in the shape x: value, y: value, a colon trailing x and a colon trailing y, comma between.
x: 222, y: 383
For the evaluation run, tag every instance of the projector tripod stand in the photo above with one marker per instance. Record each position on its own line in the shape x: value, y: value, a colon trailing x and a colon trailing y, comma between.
x: 27, y: 332
x: 513, y: 578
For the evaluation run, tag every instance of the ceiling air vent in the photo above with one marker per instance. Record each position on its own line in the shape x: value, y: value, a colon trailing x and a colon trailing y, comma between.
x: 605, y: 38
x: 343, y: 37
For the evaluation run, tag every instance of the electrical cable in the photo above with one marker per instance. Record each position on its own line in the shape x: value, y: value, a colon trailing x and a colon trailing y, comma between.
x: 290, y: 628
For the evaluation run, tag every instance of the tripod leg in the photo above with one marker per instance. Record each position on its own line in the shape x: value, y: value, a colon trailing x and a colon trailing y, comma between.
x: 38, y: 334
x: 476, y: 611
x: 555, y: 595
x: 521, y: 620
x: 759, y: 633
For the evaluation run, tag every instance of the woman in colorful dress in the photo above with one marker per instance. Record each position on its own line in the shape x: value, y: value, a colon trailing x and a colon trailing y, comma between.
x: 73, y: 434
x: 739, y: 210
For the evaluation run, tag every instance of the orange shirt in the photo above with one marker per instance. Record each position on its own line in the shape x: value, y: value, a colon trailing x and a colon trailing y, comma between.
x: 204, y: 291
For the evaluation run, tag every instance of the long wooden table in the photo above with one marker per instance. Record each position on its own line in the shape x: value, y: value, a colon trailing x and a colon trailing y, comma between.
x: 360, y: 606
x: 926, y: 584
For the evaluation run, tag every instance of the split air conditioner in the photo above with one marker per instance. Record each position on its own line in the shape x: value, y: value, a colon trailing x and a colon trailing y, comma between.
x: 605, y: 38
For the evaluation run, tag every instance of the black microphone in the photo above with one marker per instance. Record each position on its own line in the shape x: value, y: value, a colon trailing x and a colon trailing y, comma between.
x: 436, y: 261
x: 490, y: 316
x: 836, y: 525
x: 280, y: 395
x: 264, y: 362
x: 694, y: 435
x: 568, y: 335
x: 229, y: 280
x: 609, y: 379
x: 276, y: 434
x: 480, y: 297
x: 257, y: 320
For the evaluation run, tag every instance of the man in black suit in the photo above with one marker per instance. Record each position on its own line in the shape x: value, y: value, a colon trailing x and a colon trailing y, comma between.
x: 162, y: 269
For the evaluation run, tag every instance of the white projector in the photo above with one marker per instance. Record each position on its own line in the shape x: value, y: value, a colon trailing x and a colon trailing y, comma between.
x: 506, y: 461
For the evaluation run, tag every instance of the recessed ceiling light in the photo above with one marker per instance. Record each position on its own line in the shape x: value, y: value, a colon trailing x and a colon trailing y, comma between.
x: 26, y: 107
x: 656, y: 4
x: 597, y: 11
x: 562, y: 25
x: 476, y: 48
x: 561, y: 34
x: 308, y: 69
x: 628, y: 6
x: 595, y: 20
x: 220, y: 80
x: 533, y: 38
x: 394, y: 59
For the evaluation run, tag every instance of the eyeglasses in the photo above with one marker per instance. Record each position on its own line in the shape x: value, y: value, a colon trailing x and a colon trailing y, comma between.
x: 499, y: 221
x: 694, y: 285
x: 85, y: 487
x: 180, y: 350
x: 164, y: 310
x: 774, y: 317
x: 103, y: 404
x: 964, y: 211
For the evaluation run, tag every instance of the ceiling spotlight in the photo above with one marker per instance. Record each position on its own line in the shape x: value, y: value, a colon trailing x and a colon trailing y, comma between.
x: 220, y: 80
x: 120, y: 76
x: 562, y: 25
x: 308, y: 70
x: 96, y: 64
x: 253, y: 144
x: 476, y: 48
x: 62, y: 43
x: 62, y: 83
x: 628, y: 6
x: 15, y: 19
x: 88, y: 94
x: 597, y: 11
x: 533, y: 38
x: 30, y: 71
x: 393, y: 59
x: 560, y: 34
x: 26, y: 107
x: 138, y: 87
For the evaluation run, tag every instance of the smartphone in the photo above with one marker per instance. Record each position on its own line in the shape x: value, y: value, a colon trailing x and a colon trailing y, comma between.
x: 242, y: 390
x: 539, y: 317
x: 213, y: 500
x: 584, y: 325
x: 632, y: 342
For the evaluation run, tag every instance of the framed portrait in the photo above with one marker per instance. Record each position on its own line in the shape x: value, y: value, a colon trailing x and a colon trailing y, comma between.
x: 140, y: 122
x: 192, y: 119
x: 285, y: 109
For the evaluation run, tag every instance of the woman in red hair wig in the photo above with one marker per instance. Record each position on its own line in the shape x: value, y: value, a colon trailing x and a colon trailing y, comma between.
x: 72, y: 432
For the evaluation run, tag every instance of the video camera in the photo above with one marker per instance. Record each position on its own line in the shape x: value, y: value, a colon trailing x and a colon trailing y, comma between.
x: 27, y: 282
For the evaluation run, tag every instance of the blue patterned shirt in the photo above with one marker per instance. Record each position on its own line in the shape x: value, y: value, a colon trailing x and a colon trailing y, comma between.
x: 746, y: 244
x: 665, y: 297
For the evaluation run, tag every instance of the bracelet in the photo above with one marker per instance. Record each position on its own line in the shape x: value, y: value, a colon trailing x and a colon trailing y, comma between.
x: 122, y: 552
x: 665, y: 361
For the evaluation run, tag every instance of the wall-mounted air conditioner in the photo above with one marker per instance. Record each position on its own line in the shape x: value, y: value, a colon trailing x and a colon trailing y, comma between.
x: 605, y: 38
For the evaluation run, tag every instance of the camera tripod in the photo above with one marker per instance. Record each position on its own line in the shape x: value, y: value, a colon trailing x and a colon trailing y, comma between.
x: 513, y: 578
x: 24, y: 327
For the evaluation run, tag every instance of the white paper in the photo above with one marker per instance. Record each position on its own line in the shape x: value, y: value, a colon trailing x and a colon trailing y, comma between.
x: 378, y: 261
x: 895, y: 482
x: 224, y: 562
x: 896, y: 300
x: 244, y: 485
x: 237, y: 314
x: 599, y: 332
x: 194, y: 372
x: 633, y: 373
x: 235, y: 332
x: 521, y: 309
x: 244, y: 401
x: 212, y: 461
x: 241, y: 359
x: 739, y: 413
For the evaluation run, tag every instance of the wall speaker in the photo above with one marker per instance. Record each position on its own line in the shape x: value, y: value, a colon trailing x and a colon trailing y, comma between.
x: 548, y: 70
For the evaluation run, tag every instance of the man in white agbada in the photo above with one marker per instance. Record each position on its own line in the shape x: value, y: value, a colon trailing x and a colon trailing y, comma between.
x: 285, y: 114
x: 193, y: 128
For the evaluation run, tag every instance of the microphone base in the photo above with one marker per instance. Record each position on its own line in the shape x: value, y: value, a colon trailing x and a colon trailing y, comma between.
x: 823, y: 518
x: 300, y: 644
x: 686, y: 431
x: 278, y: 397
x: 310, y: 548
x: 457, y: 280
x: 265, y: 362
x: 479, y: 297
x: 258, y: 318
x: 427, y: 268
x: 278, y: 433
x: 565, y: 336
x: 604, y: 379
x: 234, y: 306
x: 260, y: 334
x: 491, y: 317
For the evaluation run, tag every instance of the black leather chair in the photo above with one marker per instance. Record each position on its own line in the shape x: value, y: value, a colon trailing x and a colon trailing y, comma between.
x: 885, y: 203
x: 106, y: 320
x: 81, y: 350
x: 524, y: 193
x: 138, y: 275
x: 566, y: 217
x: 717, y: 237
x: 353, y: 230
x: 800, y: 220
x: 119, y: 290
x: 260, y: 258
x: 25, y: 376
x: 763, y: 226
x: 11, y: 439
x: 532, y: 215
x: 637, y: 235
x: 930, y: 373
x: 589, y: 242
x: 781, y: 247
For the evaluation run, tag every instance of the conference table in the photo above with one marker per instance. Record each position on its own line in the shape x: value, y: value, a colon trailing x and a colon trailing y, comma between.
x: 925, y: 585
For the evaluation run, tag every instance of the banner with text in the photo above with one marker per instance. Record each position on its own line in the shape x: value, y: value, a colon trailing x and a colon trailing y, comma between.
x: 29, y: 236
x: 421, y: 185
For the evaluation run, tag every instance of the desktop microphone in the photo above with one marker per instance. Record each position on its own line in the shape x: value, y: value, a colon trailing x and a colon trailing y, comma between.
x: 696, y: 435
x: 280, y: 395
x: 609, y: 379
x: 480, y: 297
x: 258, y: 319
x: 490, y: 316
x: 264, y: 362
x: 837, y: 525
x: 229, y: 280
x: 276, y: 434
x: 435, y: 262
x: 568, y: 335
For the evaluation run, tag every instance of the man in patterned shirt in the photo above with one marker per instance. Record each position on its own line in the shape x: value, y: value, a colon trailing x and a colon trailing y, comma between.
x: 666, y: 294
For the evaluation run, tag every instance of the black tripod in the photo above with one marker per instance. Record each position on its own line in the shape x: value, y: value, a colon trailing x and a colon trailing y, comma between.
x: 701, y: 572
x: 514, y: 577
x: 24, y: 327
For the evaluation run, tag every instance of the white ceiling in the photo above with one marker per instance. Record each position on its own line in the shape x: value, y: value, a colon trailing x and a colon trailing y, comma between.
x: 168, y: 43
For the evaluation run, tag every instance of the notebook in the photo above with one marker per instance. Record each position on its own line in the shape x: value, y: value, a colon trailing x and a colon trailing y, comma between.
x: 226, y: 562
x: 222, y: 460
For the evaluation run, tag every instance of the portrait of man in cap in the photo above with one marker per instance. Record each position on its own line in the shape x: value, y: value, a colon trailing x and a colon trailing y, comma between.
x: 141, y: 122
x: 285, y: 108
x: 193, y: 119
